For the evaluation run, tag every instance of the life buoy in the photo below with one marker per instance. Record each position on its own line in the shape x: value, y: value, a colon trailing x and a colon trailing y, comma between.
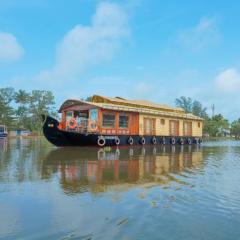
x: 92, y: 125
x: 130, y: 141
x: 181, y: 141
x: 154, y: 140
x: 173, y: 141
x: 72, y: 123
x: 143, y: 141
x: 163, y: 141
x: 101, y: 141
x: 189, y: 141
x: 200, y: 140
x: 117, y: 141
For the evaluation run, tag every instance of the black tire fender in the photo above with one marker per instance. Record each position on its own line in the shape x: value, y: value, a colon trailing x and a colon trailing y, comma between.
x: 101, y: 141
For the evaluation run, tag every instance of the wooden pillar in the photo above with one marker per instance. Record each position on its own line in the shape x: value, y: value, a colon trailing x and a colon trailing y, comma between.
x: 64, y: 119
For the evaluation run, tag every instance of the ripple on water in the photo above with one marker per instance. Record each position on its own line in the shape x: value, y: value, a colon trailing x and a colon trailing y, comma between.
x: 133, y: 193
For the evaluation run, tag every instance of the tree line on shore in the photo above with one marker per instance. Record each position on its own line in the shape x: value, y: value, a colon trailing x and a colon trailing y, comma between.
x: 22, y: 110
x: 214, y: 126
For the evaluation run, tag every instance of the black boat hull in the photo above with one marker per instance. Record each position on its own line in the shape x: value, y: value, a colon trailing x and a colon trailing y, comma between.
x: 66, y: 138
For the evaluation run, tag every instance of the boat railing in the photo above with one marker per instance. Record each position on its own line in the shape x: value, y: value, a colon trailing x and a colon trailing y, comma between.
x: 84, y: 126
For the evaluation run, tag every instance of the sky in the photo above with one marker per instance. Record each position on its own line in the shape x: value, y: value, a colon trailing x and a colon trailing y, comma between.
x: 137, y: 49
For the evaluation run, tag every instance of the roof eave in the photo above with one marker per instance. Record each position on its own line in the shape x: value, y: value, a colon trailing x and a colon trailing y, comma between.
x: 74, y: 101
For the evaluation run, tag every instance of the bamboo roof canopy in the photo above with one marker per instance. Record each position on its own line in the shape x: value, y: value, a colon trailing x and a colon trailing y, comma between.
x: 140, y: 106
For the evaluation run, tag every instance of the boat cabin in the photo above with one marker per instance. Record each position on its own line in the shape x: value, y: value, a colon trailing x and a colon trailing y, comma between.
x: 118, y: 116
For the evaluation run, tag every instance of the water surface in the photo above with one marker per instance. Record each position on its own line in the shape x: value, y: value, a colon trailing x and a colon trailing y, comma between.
x: 161, y: 192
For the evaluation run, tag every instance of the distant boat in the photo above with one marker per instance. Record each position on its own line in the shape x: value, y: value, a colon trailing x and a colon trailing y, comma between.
x: 116, y: 121
x: 3, y: 131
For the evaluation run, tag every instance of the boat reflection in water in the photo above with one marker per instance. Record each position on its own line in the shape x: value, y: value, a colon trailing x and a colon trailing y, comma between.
x: 94, y: 170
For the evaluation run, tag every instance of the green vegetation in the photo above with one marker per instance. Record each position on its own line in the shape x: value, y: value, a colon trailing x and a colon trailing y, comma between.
x: 235, y: 128
x: 190, y: 106
x: 215, y: 126
x: 23, y: 109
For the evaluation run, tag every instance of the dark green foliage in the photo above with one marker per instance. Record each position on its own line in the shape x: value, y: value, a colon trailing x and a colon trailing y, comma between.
x: 217, y: 126
x: 22, y: 99
x: 191, y: 106
x: 41, y: 102
x: 28, y: 108
x: 213, y: 126
x: 199, y: 110
x: 184, y: 103
x: 235, y: 128
x: 6, y: 109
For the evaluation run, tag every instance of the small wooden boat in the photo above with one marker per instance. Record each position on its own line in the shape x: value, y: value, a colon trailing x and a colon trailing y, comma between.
x: 3, y: 131
x: 106, y: 121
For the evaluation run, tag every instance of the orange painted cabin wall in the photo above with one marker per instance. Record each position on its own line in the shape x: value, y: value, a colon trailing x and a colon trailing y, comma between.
x: 133, y: 126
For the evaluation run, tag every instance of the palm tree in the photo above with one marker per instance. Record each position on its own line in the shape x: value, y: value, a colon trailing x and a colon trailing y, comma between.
x: 22, y: 97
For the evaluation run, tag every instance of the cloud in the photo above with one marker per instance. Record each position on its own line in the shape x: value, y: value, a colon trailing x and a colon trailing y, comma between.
x: 228, y: 81
x: 10, y: 49
x: 85, y: 46
x: 142, y: 89
x: 222, y: 90
x: 204, y: 34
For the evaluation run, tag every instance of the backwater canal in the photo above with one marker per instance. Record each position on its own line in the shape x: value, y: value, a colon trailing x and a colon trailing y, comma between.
x: 162, y: 192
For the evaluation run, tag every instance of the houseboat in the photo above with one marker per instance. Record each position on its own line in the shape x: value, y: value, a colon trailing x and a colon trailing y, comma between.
x: 106, y: 121
x: 3, y: 131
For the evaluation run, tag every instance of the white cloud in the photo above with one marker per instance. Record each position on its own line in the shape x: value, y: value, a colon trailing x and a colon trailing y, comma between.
x: 10, y: 49
x: 142, y: 88
x: 204, y: 34
x: 228, y: 81
x: 84, y: 46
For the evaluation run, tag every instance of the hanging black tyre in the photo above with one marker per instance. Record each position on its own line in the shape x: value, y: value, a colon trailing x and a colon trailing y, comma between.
x: 117, y: 141
x: 143, y: 141
x: 154, y: 140
x: 189, y: 141
x: 196, y: 140
x: 130, y: 141
x: 101, y: 141
x: 163, y: 140
x: 173, y: 141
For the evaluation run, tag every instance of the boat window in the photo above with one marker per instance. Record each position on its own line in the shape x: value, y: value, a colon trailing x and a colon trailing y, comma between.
x: 69, y: 115
x: 123, y: 121
x: 93, y: 114
x: 199, y: 124
x: 162, y: 121
x: 108, y: 120
x: 2, y: 129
